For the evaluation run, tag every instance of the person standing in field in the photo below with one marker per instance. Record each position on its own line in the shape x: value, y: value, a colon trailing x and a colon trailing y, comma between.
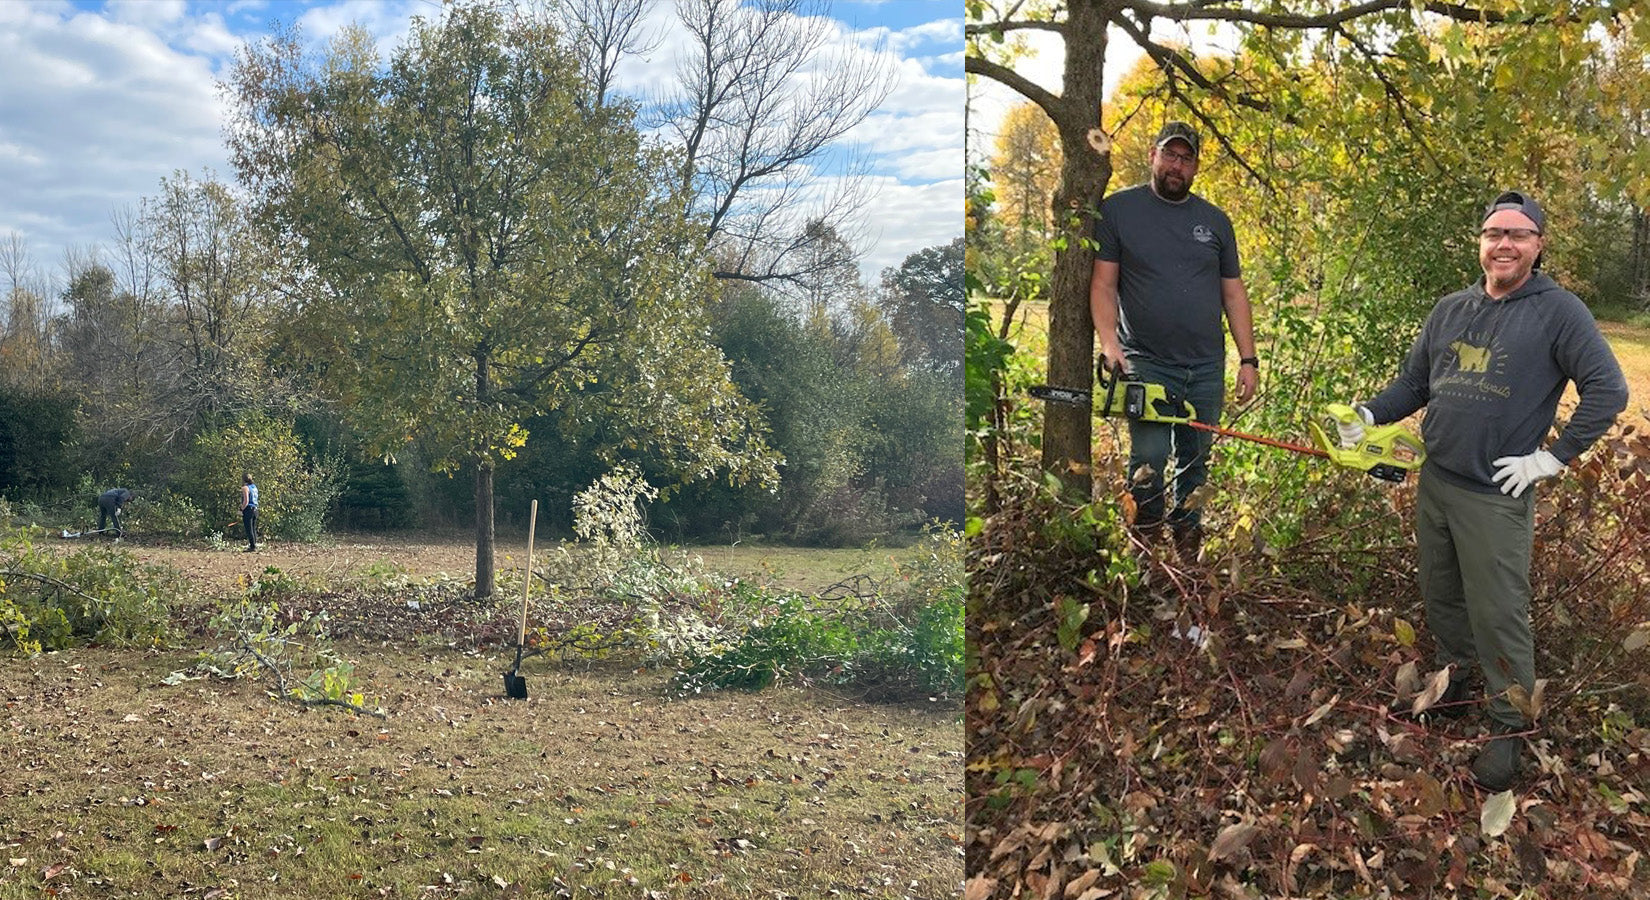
x: 249, y: 511
x: 1489, y: 366
x: 1165, y: 274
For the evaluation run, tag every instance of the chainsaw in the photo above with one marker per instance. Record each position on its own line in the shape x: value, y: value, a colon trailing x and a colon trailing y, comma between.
x: 1387, y: 452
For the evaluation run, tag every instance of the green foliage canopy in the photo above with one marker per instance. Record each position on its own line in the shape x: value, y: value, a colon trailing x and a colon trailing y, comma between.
x: 472, y: 244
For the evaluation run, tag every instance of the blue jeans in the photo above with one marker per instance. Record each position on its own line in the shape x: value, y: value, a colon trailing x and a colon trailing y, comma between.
x: 1153, y: 443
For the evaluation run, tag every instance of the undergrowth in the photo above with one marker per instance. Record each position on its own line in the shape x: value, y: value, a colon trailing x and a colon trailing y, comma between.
x: 1146, y: 726
x: 95, y: 594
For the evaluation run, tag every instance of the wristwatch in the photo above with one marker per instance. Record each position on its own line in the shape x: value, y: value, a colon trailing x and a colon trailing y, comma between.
x: 1250, y: 361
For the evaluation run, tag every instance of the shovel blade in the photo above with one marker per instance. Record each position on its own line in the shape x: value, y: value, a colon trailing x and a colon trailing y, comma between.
x: 515, y: 686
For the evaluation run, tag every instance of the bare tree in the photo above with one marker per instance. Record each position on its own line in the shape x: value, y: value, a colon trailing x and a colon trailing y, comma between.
x: 602, y: 34
x: 761, y: 100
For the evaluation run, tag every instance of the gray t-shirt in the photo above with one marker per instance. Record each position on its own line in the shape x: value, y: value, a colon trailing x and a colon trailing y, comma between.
x: 1490, y: 373
x: 1171, y: 259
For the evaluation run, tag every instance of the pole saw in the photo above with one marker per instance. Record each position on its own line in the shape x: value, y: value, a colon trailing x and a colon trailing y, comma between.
x: 1388, y: 452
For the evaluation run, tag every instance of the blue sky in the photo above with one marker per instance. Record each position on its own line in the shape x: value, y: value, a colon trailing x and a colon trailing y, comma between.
x: 103, y: 98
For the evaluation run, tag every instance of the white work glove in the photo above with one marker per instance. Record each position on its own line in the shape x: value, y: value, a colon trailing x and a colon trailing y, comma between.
x: 1516, y: 473
x: 1352, y: 433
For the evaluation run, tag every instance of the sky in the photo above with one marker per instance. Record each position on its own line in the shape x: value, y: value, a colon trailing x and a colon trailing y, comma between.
x: 1045, y: 62
x: 101, y: 99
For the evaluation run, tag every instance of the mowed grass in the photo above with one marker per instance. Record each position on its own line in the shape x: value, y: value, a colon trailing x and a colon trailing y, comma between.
x: 115, y: 785
x: 1632, y: 346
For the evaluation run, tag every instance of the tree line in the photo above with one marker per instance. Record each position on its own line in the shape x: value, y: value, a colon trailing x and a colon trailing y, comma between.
x: 472, y: 259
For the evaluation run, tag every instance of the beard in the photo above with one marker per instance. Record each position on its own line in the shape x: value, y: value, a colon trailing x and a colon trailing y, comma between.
x: 1175, y: 192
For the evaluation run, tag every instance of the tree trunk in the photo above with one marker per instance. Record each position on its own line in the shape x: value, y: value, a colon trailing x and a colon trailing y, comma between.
x: 484, y: 483
x: 1641, y: 259
x: 1083, y: 177
x: 484, y: 528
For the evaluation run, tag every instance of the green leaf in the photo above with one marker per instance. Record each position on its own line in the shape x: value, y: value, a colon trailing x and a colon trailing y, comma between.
x: 1404, y: 632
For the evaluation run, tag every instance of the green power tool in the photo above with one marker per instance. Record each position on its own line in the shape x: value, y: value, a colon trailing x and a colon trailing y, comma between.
x: 1387, y: 452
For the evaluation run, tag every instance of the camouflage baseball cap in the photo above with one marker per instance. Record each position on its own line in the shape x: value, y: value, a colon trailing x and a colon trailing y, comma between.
x: 1179, y: 131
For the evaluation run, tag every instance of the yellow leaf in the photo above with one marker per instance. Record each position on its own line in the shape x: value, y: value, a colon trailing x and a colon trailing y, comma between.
x: 1404, y: 632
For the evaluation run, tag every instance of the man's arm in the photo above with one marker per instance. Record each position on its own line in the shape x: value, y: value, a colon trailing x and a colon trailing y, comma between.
x: 1240, y: 319
x: 1103, y: 310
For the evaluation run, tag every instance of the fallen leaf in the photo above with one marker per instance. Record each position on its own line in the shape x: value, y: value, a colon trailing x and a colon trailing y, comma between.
x: 1497, y: 813
x: 979, y: 888
x: 53, y: 870
x: 1231, y: 839
x: 1408, y: 680
x: 1404, y: 632
x: 1638, y: 638
x: 1435, y: 689
x: 1081, y: 883
x: 1321, y: 711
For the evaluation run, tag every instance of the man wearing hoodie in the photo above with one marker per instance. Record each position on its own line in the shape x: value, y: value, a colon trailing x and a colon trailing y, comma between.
x: 1489, y: 366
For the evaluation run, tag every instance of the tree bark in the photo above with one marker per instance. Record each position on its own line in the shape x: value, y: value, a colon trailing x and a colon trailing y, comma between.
x: 1083, y: 177
x: 1641, y: 259
x: 484, y: 528
x: 484, y: 485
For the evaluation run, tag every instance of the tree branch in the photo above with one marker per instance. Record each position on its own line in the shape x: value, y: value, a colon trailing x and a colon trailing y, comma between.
x: 1168, y: 60
x: 1183, y: 12
x: 47, y: 579
x: 289, y: 696
x: 1394, y: 94
x: 984, y: 28
x: 1007, y: 77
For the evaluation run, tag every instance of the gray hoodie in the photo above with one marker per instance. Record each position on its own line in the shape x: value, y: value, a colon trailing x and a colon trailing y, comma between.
x: 1490, y: 373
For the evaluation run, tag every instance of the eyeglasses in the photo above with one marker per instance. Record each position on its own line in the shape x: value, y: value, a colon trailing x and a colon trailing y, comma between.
x: 1177, y: 156
x: 1518, y: 235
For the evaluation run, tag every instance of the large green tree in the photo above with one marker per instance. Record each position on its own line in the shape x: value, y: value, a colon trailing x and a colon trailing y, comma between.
x: 472, y: 243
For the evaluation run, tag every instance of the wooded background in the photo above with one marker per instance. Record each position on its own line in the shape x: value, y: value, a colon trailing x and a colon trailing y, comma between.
x: 475, y: 263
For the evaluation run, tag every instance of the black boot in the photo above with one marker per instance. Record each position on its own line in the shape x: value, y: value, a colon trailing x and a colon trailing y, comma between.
x: 1498, y: 764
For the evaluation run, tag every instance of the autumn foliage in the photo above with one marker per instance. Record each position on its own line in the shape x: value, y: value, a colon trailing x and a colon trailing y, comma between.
x: 1145, y: 726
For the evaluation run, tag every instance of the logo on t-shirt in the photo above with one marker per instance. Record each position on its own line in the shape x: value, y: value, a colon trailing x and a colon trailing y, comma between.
x: 1480, y: 370
x: 1469, y: 358
x: 1202, y: 234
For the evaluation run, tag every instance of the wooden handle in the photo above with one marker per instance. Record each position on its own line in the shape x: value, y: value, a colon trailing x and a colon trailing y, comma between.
x: 527, y: 577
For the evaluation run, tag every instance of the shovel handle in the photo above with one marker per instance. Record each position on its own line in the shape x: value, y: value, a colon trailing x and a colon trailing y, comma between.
x: 527, y: 578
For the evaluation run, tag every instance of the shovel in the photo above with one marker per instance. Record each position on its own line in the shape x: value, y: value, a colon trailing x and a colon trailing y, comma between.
x: 515, y: 686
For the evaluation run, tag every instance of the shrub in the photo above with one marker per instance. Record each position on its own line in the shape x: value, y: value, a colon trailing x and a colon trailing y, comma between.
x: 50, y: 601
x: 897, y: 641
x: 293, y: 494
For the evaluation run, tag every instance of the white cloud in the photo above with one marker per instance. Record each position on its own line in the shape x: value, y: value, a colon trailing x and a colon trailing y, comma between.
x: 387, y: 21
x: 97, y: 108
x: 912, y: 218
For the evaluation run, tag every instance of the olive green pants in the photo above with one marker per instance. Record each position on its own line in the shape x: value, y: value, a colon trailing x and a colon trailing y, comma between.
x: 1474, y: 554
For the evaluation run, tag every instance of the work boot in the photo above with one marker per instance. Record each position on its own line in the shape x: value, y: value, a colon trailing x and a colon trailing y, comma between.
x: 1498, y: 764
x: 1451, y: 705
x: 1188, y: 540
